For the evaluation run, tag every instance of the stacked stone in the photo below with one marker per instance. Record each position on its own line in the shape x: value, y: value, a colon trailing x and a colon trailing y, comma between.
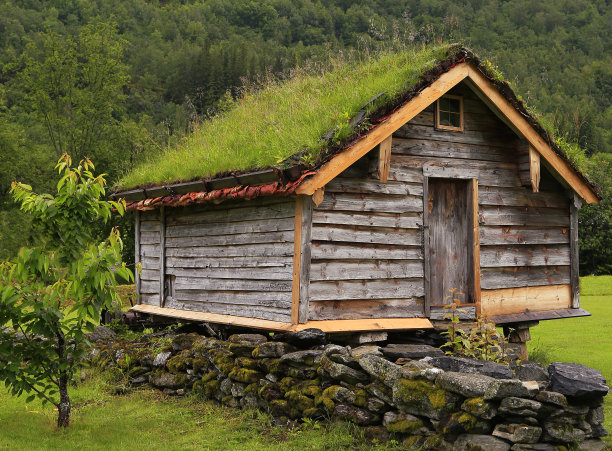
x: 413, y: 393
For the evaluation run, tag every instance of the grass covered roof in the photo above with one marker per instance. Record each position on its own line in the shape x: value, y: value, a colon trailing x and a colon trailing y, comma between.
x: 265, y: 126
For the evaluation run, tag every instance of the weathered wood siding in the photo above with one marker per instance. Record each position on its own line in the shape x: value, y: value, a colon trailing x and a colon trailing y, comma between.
x: 367, y: 254
x: 367, y: 257
x: 234, y: 259
x: 149, y: 257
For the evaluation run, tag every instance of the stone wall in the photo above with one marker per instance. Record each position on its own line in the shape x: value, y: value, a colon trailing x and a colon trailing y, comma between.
x: 410, y: 392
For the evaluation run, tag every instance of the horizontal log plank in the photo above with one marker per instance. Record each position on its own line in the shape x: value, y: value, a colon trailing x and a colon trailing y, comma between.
x: 149, y: 251
x: 252, y: 250
x: 228, y: 262
x: 509, y: 216
x: 259, y: 273
x: 366, y: 289
x: 532, y: 299
x: 149, y: 226
x: 149, y: 287
x: 342, y: 185
x: 193, y: 283
x: 184, y: 216
x: 227, y: 240
x: 494, y: 138
x: 499, y: 235
x: 357, y: 202
x: 463, y: 313
x: 149, y: 238
x: 417, y: 160
x: 231, y: 228
x: 498, y: 256
x: 405, y: 237
x: 228, y: 309
x: 149, y: 274
x: 403, y: 174
x: 363, y: 270
x: 394, y: 220
x: 336, y: 251
x: 149, y: 299
x: 254, y: 298
x: 364, y: 309
x: 425, y: 147
x: 521, y: 198
x: 529, y: 276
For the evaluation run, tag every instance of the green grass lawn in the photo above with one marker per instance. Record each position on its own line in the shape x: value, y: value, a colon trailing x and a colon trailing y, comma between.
x: 145, y: 420
x: 586, y: 340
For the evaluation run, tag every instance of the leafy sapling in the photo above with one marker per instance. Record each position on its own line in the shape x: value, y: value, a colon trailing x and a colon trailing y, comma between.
x: 51, y: 294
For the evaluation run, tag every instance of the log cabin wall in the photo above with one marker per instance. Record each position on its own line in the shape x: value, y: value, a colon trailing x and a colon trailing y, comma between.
x: 234, y: 258
x: 367, y: 255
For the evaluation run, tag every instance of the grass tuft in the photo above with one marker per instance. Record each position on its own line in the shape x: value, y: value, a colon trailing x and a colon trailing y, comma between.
x: 268, y: 124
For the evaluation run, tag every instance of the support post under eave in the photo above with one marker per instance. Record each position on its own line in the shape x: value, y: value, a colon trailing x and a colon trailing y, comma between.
x: 162, y: 256
x: 534, y: 169
x: 575, y: 204
x: 301, y: 260
x: 384, y: 159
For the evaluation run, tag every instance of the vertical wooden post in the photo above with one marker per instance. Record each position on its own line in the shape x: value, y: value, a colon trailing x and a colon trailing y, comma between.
x: 162, y: 256
x: 384, y: 159
x: 575, y: 204
x: 307, y: 205
x: 425, y: 247
x: 137, y: 254
x: 476, y: 244
x: 297, y: 261
x: 534, y: 169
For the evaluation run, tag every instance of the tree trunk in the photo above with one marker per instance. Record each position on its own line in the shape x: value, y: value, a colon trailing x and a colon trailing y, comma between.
x: 63, y: 415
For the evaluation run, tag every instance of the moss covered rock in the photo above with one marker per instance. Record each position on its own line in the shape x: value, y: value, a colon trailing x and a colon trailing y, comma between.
x: 241, y: 349
x: 405, y: 423
x: 162, y: 379
x: 246, y: 362
x: 423, y: 398
x: 299, y: 401
x: 245, y: 375
x: 273, y: 349
x: 479, y: 408
x: 179, y: 363
x: 270, y: 391
x: 342, y: 372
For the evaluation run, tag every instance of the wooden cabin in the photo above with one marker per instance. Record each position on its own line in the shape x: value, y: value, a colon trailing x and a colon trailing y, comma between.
x: 457, y: 188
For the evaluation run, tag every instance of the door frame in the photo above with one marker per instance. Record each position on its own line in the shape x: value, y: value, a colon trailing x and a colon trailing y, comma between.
x: 451, y: 174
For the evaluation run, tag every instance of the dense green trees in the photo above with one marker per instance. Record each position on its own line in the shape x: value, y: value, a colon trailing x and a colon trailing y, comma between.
x: 174, y: 60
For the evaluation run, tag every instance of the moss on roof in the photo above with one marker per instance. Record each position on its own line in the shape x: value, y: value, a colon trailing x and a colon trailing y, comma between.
x: 266, y: 126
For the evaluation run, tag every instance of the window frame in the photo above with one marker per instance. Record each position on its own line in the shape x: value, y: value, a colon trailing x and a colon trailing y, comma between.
x: 437, y: 115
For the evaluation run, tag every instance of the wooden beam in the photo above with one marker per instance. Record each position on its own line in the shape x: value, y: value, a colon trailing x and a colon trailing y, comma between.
x: 297, y: 261
x: 525, y: 299
x: 318, y: 196
x: 162, y: 256
x: 476, y: 245
x: 520, y: 124
x: 382, y: 131
x: 534, y: 169
x: 305, y: 263
x: 330, y: 326
x: 352, y: 325
x: 384, y: 159
x: 426, y: 264
x: 575, y: 205
x: 137, y: 254
x: 189, y: 315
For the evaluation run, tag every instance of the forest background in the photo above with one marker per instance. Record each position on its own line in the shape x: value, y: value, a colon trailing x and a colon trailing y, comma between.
x: 120, y: 80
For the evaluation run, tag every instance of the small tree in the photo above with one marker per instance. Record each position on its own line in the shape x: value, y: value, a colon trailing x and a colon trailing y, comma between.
x: 51, y: 294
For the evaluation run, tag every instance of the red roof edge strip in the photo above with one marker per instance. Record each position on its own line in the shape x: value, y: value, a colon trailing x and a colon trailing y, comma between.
x: 219, y: 195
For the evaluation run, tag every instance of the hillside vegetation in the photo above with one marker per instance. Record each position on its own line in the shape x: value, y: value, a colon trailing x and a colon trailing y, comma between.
x: 169, y: 65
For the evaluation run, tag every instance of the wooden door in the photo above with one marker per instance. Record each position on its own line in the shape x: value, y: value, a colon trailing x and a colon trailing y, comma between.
x: 449, y: 250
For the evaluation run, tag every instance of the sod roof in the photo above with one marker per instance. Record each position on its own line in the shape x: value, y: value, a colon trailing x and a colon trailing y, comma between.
x: 306, y: 119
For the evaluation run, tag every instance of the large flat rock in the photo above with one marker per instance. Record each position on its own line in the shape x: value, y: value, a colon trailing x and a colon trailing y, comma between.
x: 473, y: 366
x: 576, y: 380
x: 410, y: 351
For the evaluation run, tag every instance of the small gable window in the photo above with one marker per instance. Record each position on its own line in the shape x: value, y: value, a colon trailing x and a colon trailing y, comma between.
x: 449, y: 113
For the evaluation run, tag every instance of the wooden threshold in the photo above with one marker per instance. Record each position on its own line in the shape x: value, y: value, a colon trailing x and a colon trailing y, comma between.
x: 212, y: 317
x: 330, y: 326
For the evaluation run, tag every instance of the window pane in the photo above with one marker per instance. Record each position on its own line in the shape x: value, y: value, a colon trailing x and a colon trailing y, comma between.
x: 454, y: 105
x: 444, y: 106
x: 454, y: 119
